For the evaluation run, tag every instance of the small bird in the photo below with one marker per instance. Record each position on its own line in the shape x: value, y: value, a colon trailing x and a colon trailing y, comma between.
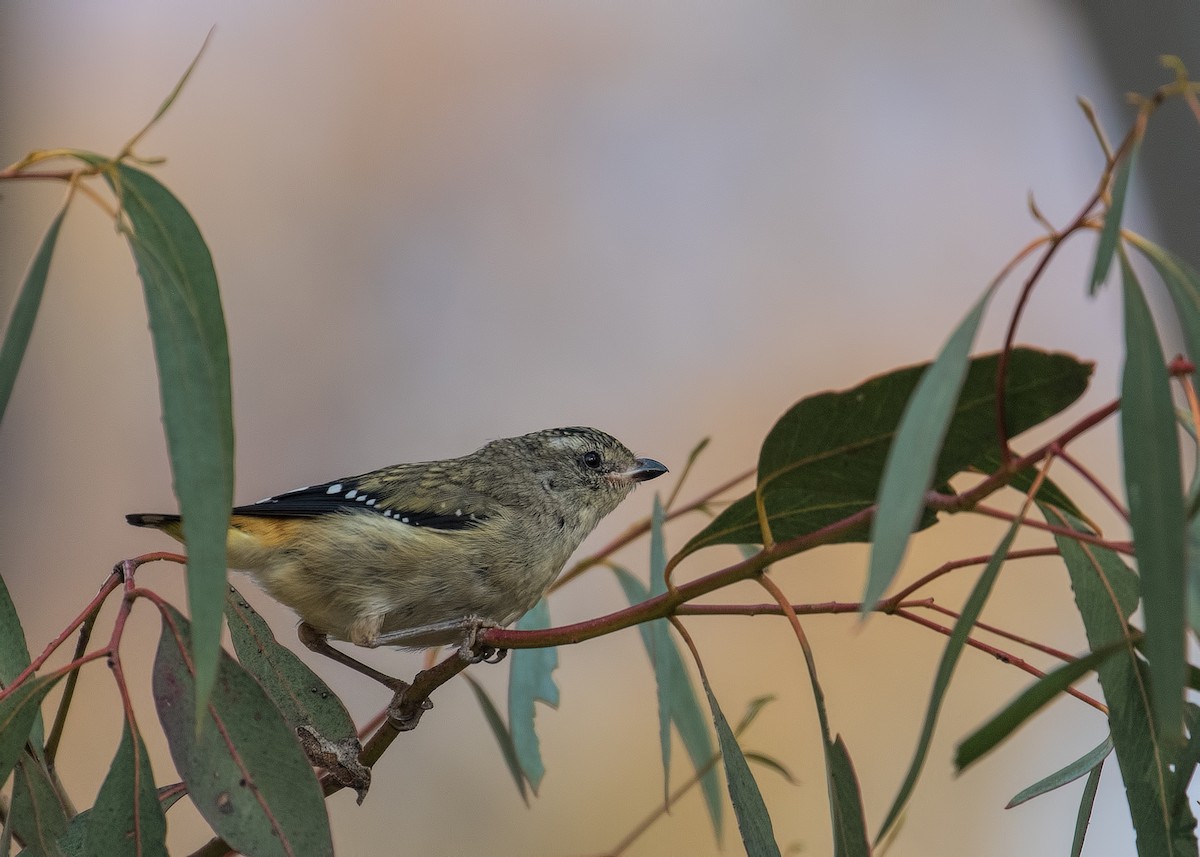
x: 426, y: 554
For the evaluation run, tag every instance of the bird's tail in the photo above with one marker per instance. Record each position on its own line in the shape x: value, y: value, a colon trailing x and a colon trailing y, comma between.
x: 172, y: 525
x: 158, y: 522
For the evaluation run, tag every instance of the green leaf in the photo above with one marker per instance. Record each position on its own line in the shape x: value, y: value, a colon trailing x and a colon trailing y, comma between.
x: 823, y: 459
x: 754, y: 822
x: 1183, y: 284
x: 1107, y: 245
x: 1084, y: 816
x: 1106, y: 594
x: 677, y: 699
x: 244, y: 769
x: 190, y: 346
x: 772, y: 763
x: 38, y: 816
x: 954, y: 647
x: 1068, y: 774
x: 1043, y: 691
x: 1185, y: 764
x: 19, y: 711
x: 500, y: 732
x: 530, y: 680
x: 1155, y: 491
x: 849, y: 825
x: 311, y: 710
x: 912, y: 458
x: 127, y: 818
x: 656, y: 637
x: 20, y: 326
x: 1049, y: 492
x: 14, y: 657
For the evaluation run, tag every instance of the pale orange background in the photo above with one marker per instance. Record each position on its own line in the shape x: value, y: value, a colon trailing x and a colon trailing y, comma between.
x: 437, y: 224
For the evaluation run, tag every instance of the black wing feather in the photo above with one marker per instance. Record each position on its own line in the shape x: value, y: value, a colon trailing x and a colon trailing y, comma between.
x: 342, y: 496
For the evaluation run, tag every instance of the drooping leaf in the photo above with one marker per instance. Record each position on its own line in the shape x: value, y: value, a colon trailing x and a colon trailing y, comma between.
x: 1183, y: 284
x: 244, y: 768
x: 1069, y: 773
x: 1107, y: 245
x: 912, y: 458
x: 1154, y: 489
x: 19, y: 712
x: 127, y: 818
x: 677, y: 699
x: 1084, y: 817
x: 849, y: 824
x: 823, y: 459
x: 954, y: 647
x: 14, y: 658
x: 754, y: 822
x: 187, y: 325
x: 20, y: 325
x: 503, y: 737
x: 1106, y: 594
x: 530, y: 680
x: 308, y: 706
x: 1043, y: 691
x: 1185, y: 763
x: 37, y: 815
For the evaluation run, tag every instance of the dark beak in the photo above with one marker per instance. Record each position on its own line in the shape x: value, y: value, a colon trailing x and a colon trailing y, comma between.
x: 645, y: 469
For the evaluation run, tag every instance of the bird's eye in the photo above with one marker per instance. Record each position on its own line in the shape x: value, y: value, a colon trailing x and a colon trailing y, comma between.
x: 592, y: 460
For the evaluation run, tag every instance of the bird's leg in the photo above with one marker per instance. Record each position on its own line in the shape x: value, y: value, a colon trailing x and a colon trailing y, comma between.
x: 318, y: 642
x: 469, y: 649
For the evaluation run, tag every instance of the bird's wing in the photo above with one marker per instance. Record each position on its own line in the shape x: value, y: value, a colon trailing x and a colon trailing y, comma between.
x: 415, y: 500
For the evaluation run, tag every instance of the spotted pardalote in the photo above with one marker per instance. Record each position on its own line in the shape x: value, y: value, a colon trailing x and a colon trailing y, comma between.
x: 413, y: 554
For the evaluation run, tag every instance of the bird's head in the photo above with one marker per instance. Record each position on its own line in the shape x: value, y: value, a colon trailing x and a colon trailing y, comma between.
x: 579, y: 467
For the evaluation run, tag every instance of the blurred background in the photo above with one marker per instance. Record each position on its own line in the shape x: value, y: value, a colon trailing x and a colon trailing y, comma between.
x: 437, y: 224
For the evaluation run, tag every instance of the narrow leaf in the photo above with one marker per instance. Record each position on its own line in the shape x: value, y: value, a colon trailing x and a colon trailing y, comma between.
x: 1155, y: 491
x: 849, y: 824
x: 1106, y: 594
x: 1084, y: 817
x: 1183, y: 284
x: 754, y: 822
x: 244, y: 769
x: 909, y: 470
x: 1107, y: 245
x: 530, y: 680
x: 127, y: 818
x: 772, y: 763
x: 20, y: 326
x: 19, y: 712
x: 14, y: 657
x: 37, y: 814
x: 309, y: 707
x: 188, y: 328
x: 677, y: 699
x: 1043, y: 691
x: 954, y: 647
x: 1067, y: 774
x: 657, y: 641
x: 503, y: 737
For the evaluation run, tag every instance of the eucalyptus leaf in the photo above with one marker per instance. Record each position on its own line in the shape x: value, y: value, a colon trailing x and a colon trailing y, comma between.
x: 243, y: 766
x: 531, y: 680
x: 20, y: 325
x: 1154, y: 488
x: 823, y: 459
x: 1106, y: 594
x: 754, y: 822
x: 127, y: 818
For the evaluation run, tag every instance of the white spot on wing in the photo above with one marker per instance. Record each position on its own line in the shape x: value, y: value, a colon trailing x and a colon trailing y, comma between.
x: 335, y: 488
x: 351, y: 494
